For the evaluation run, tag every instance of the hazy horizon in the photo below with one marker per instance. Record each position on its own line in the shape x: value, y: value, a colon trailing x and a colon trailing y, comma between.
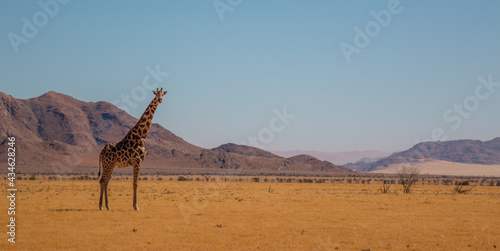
x: 314, y: 76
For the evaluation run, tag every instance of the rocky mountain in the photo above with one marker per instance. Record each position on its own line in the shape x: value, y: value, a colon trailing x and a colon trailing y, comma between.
x: 244, y: 150
x: 338, y: 158
x: 255, y: 158
x: 59, y: 131
x: 459, y: 151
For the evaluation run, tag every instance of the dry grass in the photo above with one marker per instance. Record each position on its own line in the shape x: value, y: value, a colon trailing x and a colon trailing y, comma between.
x: 220, y: 216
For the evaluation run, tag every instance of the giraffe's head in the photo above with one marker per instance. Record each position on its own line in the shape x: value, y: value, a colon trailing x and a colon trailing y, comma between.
x: 159, y: 94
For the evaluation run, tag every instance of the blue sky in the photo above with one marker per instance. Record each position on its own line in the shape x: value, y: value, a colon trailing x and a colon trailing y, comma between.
x: 226, y: 78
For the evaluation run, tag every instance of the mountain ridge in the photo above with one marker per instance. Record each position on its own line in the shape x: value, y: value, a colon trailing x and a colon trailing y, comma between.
x: 466, y: 151
x: 55, y: 127
x: 338, y: 158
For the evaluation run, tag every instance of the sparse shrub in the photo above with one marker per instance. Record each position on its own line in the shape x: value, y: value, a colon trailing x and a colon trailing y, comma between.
x: 256, y: 179
x: 385, y: 186
x: 407, y: 177
x: 460, y: 187
x: 446, y: 182
x: 32, y: 177
x: 181, y: 178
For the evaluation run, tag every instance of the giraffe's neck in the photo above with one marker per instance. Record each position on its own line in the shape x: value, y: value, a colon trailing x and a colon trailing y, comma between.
x: 141, y: 129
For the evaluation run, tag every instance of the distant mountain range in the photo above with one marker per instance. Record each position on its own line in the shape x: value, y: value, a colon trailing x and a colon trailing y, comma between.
x: 60, y: 131
x: 338, y: 158
x: 457, y: 151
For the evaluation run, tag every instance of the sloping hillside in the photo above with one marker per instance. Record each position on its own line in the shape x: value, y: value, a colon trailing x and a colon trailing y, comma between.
x: 60, y: 131
x: 459, y: 151
x: 339, y: 158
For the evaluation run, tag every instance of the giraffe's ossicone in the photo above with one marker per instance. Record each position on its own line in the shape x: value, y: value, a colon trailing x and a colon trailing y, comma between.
x: 130, y: 151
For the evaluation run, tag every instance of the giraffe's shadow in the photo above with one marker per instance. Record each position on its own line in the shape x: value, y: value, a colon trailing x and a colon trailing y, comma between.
x: 85, y: 210
x: 70, y: 210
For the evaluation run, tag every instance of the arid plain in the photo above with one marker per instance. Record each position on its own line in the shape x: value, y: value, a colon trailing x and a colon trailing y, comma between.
x: 191, y: 215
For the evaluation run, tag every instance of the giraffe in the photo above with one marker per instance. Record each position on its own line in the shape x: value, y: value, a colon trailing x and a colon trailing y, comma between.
x: 130, y: 151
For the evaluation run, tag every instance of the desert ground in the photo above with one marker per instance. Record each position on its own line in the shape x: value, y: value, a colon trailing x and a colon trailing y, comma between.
x: 211, y: 215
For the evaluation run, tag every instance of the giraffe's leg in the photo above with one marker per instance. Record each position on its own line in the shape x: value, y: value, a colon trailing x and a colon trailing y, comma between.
x: 106, y: 195
x: 101, y: 180
x: 100, y: 198
x: 137, y: 170
x: 104, y: 190
x: 106, y: 176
